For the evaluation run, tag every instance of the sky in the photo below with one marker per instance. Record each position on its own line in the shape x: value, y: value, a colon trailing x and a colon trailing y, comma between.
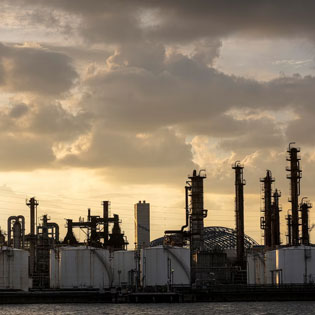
x: 121, y: 100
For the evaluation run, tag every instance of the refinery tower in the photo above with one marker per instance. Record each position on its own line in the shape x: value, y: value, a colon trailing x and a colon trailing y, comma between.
x: 142, y: 224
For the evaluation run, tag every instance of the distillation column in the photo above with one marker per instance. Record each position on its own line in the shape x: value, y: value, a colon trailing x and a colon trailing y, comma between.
x: 239, y: 211
x: 275, y: 219
x: 197, y: 215
x: 33, y: 214
x: 289, y: 227
x: 197, y: 211
x: 105, y: 217
x: 304, y: 208
x: 267, y: 182
x: 295, y: 177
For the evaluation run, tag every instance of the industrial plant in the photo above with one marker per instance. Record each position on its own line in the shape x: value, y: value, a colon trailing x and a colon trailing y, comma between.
x: 192, y: 263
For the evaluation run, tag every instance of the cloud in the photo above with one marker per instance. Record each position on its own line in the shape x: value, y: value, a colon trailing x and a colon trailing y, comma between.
x: 150, y: 85
x: 24, y: 153
x: 29, y: 133
x: 163, y: 148
x: 35, y: 70
x: 172, y: 21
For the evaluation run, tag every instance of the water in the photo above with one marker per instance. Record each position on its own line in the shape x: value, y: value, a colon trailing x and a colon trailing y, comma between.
x: 251, y: 308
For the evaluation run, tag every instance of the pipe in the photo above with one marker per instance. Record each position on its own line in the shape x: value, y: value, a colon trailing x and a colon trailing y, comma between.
x: 56, y: 226
x: 23, y: 229
x: 187, y: 188
x: 10, y: 229
x: 17, y: 232
x: 105, y: 217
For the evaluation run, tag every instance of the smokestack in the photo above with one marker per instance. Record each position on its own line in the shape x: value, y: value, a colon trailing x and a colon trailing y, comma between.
x: 295, y: 177
x: 266, y: 226
x: 239, y: 210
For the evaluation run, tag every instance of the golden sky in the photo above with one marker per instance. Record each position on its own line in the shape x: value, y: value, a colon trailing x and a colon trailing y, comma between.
x: 121, y: 100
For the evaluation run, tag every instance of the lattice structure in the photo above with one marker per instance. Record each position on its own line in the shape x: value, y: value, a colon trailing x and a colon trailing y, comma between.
x: 218, y: 237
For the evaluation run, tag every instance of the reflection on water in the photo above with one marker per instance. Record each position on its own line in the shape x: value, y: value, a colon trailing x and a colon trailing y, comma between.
x: 252, y: 308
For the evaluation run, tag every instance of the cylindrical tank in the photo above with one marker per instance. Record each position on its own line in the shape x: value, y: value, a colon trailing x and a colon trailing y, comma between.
x: 80, y: 267
x: 291, y: 265
x: 14, y: 269
x: 164, y: 265
x: 124, y: 266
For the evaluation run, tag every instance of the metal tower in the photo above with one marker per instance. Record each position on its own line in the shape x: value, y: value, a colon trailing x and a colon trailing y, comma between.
x: 197, y: 215
x: 197, y: 212
x: 266, y: 221
x: 33, y: 204
x: 304, y: 208
x: 295, y: 177
x: 239, y: 210
x: 289, y: 225
x: 275, y: 219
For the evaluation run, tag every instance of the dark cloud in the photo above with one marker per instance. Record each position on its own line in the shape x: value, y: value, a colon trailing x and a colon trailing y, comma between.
x: 35, y: 70
x: 18, y: 110
x: 55, y: 121
x: 150, y: 84
x: 196, y: 99
x: 29, y: 133
x: 169, y: 21
x: 113, y: 149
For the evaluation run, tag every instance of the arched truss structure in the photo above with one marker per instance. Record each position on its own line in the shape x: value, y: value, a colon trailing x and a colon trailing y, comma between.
x: 218, y: 237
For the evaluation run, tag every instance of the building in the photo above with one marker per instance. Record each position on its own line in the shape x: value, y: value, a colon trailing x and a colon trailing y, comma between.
x: 142, y: 224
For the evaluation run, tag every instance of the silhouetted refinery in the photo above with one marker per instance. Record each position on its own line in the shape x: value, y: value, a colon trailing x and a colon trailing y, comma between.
x: 193, y: 263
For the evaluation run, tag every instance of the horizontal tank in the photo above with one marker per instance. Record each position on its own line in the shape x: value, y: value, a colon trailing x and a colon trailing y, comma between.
x: 80, y: 267
x: 163, y: 265
x: 124, y: 268
x: 14, y: 269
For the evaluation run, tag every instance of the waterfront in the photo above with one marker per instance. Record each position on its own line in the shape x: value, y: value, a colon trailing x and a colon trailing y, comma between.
x: 253, y: 308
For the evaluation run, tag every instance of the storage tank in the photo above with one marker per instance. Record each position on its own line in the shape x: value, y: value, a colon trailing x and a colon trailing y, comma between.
x: 14, y: 269
x: 164, y: 265
x: 124, y: 266
x: 255, y: 268
x: 80, y: 267
x: 291, y: 265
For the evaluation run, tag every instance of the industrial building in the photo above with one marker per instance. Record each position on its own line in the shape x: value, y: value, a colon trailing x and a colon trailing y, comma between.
x: 276, y: 263
x: 194, y: 256
x: 142, y: 224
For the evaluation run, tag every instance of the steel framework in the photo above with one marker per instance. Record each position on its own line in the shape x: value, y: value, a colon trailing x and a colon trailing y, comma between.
x: 218, y: 237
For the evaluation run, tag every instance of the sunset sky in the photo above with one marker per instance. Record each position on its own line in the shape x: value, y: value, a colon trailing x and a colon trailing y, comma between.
x: 121, y: 99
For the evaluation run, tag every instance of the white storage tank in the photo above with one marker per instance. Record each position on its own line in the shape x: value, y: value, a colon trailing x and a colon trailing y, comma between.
x: 291, y: 265
x: 270, y: 267
x: 255, y: 268
x: 80, y: 267
x: 164, y: 265
x: 14, y: 269
x: 124, y: 268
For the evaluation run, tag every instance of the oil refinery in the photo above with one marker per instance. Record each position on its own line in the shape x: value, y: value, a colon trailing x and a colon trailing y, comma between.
x: 192, y: 263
